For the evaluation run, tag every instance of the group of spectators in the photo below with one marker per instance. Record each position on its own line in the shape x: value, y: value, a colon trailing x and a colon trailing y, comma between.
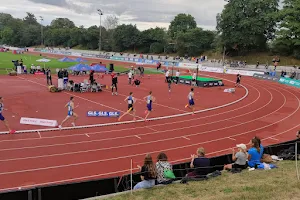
x: 161, y: 172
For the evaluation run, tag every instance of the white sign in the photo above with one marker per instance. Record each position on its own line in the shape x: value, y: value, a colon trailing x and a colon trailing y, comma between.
x: 243, y: 72
x: 38, y: 122
x: 211, y: 69
x: 230, y: 90
x: 188, y: 65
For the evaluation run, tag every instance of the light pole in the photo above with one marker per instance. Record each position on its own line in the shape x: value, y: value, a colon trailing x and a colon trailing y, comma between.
x: 100, y: 31
x: 42, y: 31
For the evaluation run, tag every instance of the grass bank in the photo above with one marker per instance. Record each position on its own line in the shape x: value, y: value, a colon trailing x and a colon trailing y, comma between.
x: 7, y: 57
x: 276, y: 184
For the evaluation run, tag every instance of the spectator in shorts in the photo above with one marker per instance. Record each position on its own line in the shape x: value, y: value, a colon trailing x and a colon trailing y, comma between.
x: 240, y: 158
x: 129, y: 77
x: 177, y: 76
x: 162, y: 164
x: 200, y: 163
x: 148, y: 174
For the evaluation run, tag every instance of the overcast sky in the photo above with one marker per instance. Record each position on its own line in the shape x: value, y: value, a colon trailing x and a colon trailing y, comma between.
x: 144, y: 13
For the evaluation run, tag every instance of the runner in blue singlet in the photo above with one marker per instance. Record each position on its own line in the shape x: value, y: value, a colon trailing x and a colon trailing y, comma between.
x: 2, y: 117
x: 191, y: 103
x: 130, y: 101
x: 71, y: 113
x: 149, y: 99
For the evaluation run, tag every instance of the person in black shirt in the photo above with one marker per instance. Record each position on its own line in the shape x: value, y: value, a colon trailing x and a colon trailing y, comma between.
x: 114, y: 83
x: 238, y: 80
x: 92, y: 80
x: 200, y: 163
x: 60, y: 80
x: 48, y: 76
x: 148, y: 174
x: 65, y: 77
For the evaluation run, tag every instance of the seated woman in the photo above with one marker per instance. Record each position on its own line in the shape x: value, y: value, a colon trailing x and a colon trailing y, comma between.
x: 240, y: 158
x: 162, y: 165
x: 136, y: 82
x: 148, y: 174
x: 200, y: 163
x: 254, y: 154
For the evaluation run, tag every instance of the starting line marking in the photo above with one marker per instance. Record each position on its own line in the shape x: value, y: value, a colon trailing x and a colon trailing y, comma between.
x: 39, y: 134
x: 231, y: 138
x: 87, y: 135
x: 186, y: 138
x: 138, y: 137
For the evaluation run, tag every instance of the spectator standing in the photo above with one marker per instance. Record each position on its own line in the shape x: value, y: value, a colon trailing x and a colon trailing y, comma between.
x: 240, y: 158
x: 60, y: 80
x: 129, y: 77
x: 65, y: 78
x: 177, y: 76
x: 162, y: 166
x: 148, y: 174
x: 48, y: 76
x: 200, y: 163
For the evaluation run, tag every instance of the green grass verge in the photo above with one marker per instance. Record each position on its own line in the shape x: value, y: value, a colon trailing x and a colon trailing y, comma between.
x: 7, y: 57
x: 276, y: 184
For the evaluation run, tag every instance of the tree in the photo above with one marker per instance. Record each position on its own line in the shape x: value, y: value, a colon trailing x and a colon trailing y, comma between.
x: 62, y: 23
x: 153, y: 40
x: 126, y: 37
x: 247, y: 25
x: 111, y: 22
x: 288, y: 36
x: 30, y: 19
x: 181, y: 23
x: 194, y: 42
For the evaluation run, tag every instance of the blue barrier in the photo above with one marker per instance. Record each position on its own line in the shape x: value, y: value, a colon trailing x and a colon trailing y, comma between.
x: 290, y: 82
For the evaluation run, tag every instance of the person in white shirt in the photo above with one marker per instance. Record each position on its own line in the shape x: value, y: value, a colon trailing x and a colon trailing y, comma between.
x: 177, y: 76
x: 38, y: 68
x: 129, y: 77
x: 167, y: 75
x: 194, y: 76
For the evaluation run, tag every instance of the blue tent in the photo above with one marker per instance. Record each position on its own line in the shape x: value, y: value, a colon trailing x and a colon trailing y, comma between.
x: 66, y: 59
x: 80, y: 67
x: 99, y: 68
x: 80, y: 60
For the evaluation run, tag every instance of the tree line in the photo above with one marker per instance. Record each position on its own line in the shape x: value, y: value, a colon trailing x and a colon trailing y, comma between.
x: 242, y: 27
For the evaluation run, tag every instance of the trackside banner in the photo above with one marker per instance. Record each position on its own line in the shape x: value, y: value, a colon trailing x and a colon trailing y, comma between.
x: 290, y: 82
x: 266, y: 77
x: 38, y: 122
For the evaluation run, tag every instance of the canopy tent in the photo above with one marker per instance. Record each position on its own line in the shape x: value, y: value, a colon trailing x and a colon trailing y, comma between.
x: 66, y: 59
x: 80, y: 60
x: 80, y: 67
x: 99, y: 68
x: 43, y: 60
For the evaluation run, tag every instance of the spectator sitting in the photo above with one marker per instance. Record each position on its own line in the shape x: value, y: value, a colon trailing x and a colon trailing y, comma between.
x: 200, y: 163
x: 161, y: 166
x: 136, y: 82
x: 38, y: 67
x: 254, y: 154
x: 148, y: 174
x: 240, y: 158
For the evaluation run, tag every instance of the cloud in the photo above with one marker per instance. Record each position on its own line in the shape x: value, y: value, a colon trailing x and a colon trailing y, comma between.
x: 143, y: 13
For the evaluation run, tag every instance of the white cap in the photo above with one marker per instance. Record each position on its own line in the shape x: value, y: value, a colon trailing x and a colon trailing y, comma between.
x: 242, y: 146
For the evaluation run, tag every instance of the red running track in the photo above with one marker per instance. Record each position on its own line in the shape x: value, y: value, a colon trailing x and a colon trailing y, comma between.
x: 270, y: 111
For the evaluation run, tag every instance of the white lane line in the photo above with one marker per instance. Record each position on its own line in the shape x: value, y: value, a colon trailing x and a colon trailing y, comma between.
x: 273, y: 138
x: 152, y: 129
x: 138, y: 137
x: 39, y: 134
x: 186, y: 138
x: 87, y: 135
